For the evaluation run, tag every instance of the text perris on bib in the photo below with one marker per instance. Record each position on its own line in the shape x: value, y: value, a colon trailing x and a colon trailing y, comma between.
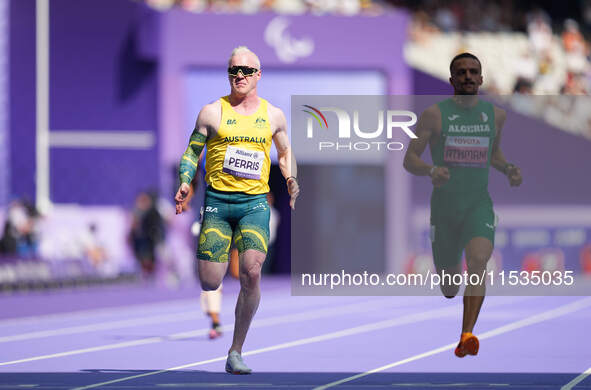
x: 243, y: 163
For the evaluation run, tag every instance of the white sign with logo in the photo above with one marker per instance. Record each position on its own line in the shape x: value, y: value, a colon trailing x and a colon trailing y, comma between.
x: 287, y: 48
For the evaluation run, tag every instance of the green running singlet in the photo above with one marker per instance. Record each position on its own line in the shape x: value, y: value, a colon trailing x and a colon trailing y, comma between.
x: 461, y: 209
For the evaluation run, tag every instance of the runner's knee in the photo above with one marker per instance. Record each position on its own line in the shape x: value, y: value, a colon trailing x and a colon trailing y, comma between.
x: 477, y: 262
x: 251, y: 273
x: 208, y: 286
x: 209, y: 283
x: 449, y: 291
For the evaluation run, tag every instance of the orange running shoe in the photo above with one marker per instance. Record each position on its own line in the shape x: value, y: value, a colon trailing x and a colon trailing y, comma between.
x: 468, y: 345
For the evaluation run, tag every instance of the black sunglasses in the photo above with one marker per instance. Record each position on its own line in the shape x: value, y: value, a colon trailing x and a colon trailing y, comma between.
x: 245, y: 70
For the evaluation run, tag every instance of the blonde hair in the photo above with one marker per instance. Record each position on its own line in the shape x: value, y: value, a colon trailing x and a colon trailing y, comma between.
x: 243, y: 49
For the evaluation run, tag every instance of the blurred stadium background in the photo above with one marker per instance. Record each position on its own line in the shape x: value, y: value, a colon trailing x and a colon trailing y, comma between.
x: 98, y: 98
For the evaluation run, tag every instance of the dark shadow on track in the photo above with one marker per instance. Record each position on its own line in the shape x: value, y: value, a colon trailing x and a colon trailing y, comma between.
x: 293, y: 380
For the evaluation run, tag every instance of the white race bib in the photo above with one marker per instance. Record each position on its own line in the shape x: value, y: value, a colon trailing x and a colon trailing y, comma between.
x: 466, y: 151
x: 243, y: 163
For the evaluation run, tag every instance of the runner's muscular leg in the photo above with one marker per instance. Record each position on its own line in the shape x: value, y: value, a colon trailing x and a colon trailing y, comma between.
x: 251, y: 262
x: 449, y: 290
x: 211, y: 274
x: 478, y: 252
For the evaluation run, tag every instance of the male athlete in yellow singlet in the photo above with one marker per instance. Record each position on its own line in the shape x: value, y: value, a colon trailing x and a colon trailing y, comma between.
x: 238, y: 130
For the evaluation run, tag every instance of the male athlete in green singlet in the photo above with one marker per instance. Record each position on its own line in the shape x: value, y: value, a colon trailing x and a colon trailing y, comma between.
x: 464, y: 135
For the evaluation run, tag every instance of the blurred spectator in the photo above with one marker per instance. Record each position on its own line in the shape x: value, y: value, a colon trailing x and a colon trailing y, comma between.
x: 147, y: 231
x: 521, y: 100
x: 539, y: 32
x: 575, y: 85
x: 287, y: 6
x: 20, y: 230
x: 523, y: 87
x: 446, y: 20
x: 574, y: 45
x: 193, y: 5
x: 421, y: 28
x: 526, y: 66
x: 341, y: 7
x: 160, y: 4
x: 91, y: 247
x: 538, y: 63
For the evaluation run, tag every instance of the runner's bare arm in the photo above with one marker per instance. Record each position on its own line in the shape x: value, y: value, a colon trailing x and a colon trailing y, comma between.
x: 427, y: 126
x: 498, y: 160
x: 190, y: 159
x: 193, y: 186
x: 287, y: 162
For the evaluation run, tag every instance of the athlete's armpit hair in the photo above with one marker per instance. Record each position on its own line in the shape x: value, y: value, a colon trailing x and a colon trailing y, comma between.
x: 190, y: 159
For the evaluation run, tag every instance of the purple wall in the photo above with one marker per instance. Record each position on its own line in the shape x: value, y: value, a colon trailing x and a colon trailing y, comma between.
x: 98, y: 83
x: 98, y: 80
x: 4, y: 102
x: 552, y: 161
x: 22, y: 98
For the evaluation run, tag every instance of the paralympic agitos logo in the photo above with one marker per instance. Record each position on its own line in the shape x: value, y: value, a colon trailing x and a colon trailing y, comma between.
x: 370, y: 139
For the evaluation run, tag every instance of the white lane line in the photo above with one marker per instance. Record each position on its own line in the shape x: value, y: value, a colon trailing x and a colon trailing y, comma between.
x: 159, y: 319
x: 82, y: 314
x: 402, y: 320
x: 141, y: 321
x: 577, y: 380
x: 270, y: 321
x: 179, y: 304
x: 547, y: 315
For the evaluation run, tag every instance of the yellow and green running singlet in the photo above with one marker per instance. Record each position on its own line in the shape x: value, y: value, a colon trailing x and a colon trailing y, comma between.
x: 238, y: 156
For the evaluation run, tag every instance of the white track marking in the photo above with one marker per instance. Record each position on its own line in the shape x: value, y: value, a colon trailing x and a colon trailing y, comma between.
x: 82, y: 314
x: 402, y: 320
x: 178, y: 304
x: 141, y: 321
x: 577, y: 380
x: 158, y: 319
x: 547, y: 315
x: 266, y: 322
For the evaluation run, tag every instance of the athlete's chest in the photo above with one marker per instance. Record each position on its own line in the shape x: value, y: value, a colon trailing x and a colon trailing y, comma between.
x: 478, y: 123
x: 467, y: 137
x: 247, y: 129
